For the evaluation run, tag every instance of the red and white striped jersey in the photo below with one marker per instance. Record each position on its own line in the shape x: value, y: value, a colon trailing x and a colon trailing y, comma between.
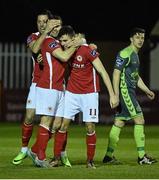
x: 37, y: 69
x: 53, y: 73
x: 83, y: 76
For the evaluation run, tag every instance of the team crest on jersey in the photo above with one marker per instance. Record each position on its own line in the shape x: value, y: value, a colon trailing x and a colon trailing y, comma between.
x: 53, y: 44
x: 93, y: 52
x: 79, y: 58
x: 119, y: 61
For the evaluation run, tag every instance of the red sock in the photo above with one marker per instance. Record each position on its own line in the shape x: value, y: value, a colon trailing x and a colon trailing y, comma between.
x: 91, y: 145
x: 43, y: 138
x: 27, y: 130
x: 34, y: 148
x: 59, y: 141
x: 65, y: 143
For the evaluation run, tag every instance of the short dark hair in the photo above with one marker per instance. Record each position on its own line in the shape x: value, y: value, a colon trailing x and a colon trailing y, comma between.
x: 45, y: 12
x: 66, y: 30
x: 136, y: 30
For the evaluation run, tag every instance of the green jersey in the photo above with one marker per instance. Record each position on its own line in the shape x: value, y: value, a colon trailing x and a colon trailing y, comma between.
x: 127, y: 62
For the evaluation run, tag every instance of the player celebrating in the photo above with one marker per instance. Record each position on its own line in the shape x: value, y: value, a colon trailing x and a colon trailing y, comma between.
x: 82, y: 93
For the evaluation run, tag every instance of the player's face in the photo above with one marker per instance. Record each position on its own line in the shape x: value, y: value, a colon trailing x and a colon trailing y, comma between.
x: 56, y: 29
x: 41, y: 23
x: 137, y: 40
x: 65, y: 41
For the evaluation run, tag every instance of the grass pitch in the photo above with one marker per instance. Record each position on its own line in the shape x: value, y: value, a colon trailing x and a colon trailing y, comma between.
x: 126, y: 152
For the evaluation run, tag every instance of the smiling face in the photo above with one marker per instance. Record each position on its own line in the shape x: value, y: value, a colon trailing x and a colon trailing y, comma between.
x: 42, y: 22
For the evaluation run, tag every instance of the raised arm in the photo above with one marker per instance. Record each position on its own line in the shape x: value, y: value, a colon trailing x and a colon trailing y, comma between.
x: 35, y: 45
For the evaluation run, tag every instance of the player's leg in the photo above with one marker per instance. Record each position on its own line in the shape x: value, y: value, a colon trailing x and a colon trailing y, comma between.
x: 122, y: 114
x: 56, y: 126
x: 91, y: 144
x: 59, y: 141
x: 70, y: 109
x: 139, y: 136
x: 27, y: 126
x: 113, y: 140
x: 43, y: 138
x: 89, y: 103
x: 46, y: 109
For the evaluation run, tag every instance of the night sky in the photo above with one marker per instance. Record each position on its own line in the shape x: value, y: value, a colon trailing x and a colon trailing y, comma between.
x: 98, y: 21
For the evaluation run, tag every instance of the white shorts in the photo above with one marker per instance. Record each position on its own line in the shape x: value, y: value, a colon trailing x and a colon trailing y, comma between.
x: 86, y: 103
x: 49, y: 102
x: 31, y: 99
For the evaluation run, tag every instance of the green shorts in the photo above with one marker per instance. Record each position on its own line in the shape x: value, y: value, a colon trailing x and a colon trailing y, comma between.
x: 129, y: 107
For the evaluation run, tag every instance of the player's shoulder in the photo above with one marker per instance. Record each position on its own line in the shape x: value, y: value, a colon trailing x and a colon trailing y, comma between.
x: 126, y: 52
x: 51, y: 42
x: 32, y: 37
x: 84, y: 46
x: 48, y: 40
x: 35, y: 34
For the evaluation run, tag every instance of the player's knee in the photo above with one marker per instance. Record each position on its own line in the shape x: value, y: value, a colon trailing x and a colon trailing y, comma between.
x: 56, y: 127
x: 90, y: 127
x: 119, y: 123
x: 140, y: 121
x: 46, y: 121
x: 29, y: 118
x: 64, y: 127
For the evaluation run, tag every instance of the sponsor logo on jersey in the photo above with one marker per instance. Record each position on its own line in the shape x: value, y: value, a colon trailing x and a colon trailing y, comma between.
x: 94, y: 53
x: 53, y: 44
x: 119, y: 61
x: 78, y: 66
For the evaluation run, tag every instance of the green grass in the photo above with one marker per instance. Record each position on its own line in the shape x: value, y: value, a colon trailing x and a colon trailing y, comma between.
x: 126, y: 152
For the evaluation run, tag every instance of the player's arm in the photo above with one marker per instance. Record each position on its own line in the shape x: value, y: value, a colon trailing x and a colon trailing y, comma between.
x: 35, y: 45
x: 106, y: 79
x: 121, y: 61
x: 63, y: 56
x: 145, y: 89
x: 116, y: 81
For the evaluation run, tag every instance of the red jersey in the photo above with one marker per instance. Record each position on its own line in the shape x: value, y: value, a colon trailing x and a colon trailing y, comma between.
x: 53, y: 73
x: 83, y: 76
x: 37, y: 69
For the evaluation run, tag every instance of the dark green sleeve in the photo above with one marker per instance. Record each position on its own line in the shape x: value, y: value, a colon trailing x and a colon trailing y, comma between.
x: 120, y: 62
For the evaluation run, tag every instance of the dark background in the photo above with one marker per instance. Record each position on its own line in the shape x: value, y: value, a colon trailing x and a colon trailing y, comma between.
x: 100, y: 20
x: 107, y: 23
